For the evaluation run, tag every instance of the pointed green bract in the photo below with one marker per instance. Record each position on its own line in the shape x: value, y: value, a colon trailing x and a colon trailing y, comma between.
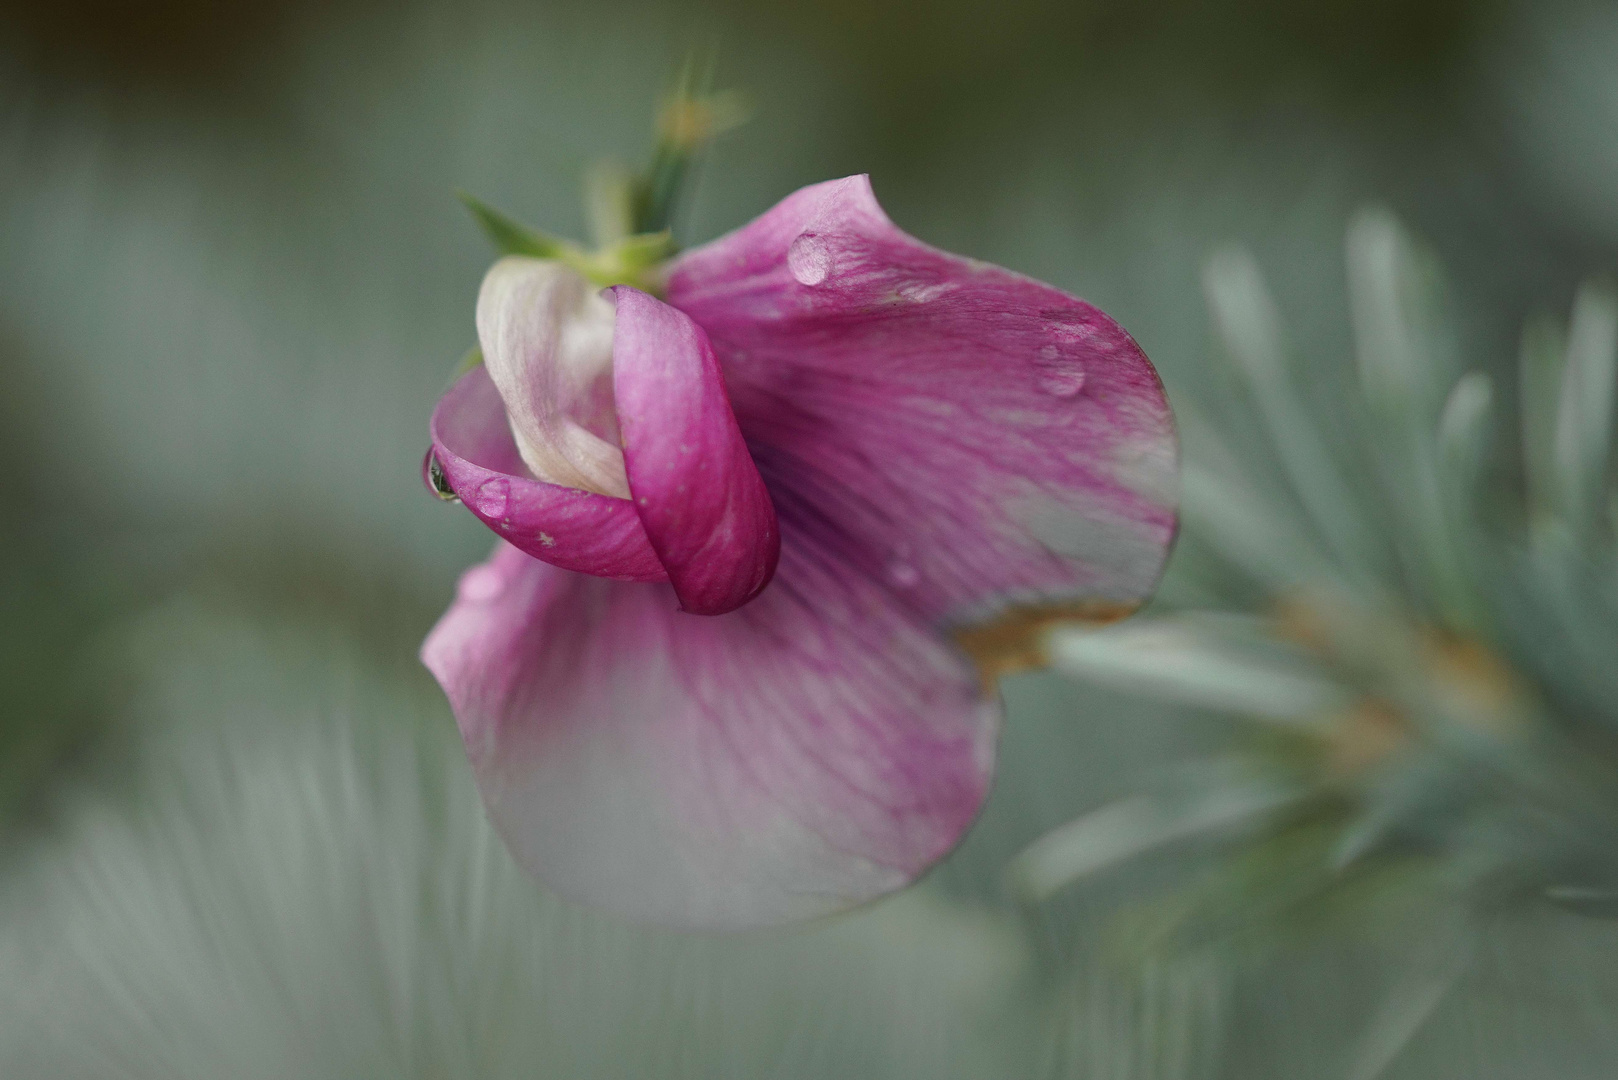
x: 632, y: 260
x: 512, y: 237
x: 631, y: 216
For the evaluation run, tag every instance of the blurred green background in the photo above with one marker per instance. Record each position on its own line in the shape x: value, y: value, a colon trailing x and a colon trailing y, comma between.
x: 236, y: 837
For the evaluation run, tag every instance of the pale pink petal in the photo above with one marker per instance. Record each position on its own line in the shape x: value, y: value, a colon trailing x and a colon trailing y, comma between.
x: 978, y: 442
x: 567, y: 527
x: 811, y: 750
x: 691, y: 478
x: 546, y: 336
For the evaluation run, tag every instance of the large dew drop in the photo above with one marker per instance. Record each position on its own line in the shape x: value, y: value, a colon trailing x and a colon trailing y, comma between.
x: 809, y: 259
x: 1058, y: 375
x: 432, y: 474
x: 1064, y: 382
x: 492, y: 498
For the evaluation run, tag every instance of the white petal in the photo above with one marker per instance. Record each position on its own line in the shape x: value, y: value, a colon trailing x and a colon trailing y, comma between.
x: 546, y: 335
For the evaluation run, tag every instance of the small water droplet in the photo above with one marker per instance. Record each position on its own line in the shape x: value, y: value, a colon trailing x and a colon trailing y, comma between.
x: 481, y: 583
x: 809, y: 259
x: 492, y: 497
x: 901, y: 572
x: 1063, y: 380
x: 432, y: 474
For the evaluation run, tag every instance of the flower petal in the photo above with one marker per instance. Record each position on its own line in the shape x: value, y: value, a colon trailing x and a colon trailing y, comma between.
x: 566, y: 527
x: 991, y: 448
x: 690, y: 476
x: 809, y: 751
x: 546, y: 335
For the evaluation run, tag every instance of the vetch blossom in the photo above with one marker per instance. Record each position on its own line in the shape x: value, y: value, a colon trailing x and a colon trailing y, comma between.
x: 767, y: 541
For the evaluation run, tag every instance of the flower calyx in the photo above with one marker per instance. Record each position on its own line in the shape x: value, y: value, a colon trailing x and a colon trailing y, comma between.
x: 636, y: 259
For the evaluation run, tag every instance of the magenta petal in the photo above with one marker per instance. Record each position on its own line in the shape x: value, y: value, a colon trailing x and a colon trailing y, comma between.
x: 981, y: 443
x: 566, y: 527
x: 811, y: 750
x: 692, y: 480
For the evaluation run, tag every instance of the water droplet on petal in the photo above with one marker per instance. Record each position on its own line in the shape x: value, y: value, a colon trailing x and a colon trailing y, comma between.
x: 481, y: 583
x: 809, y: 259
x: 900, y: 570
x: 1063, y: 379
x: 492, y: 497
x: 432, y: 474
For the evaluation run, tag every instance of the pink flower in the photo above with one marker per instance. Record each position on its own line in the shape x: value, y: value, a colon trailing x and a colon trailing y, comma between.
x: 766, y: 546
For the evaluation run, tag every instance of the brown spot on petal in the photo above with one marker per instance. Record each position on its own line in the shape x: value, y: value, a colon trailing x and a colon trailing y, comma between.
x: 1015, y: 641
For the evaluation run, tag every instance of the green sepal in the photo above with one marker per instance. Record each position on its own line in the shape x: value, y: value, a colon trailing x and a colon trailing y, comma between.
x: 644, y: 249
x: 512, y: 237
x: 634, y: 260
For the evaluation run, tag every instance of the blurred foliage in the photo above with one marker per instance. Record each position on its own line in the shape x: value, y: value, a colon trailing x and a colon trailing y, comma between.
x: 192, y: 43
x: 47, y: 619
x: 302, y: 883
x: 1418, y: 644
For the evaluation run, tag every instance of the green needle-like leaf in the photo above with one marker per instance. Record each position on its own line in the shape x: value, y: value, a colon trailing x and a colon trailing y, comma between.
x: 1544, y: 349
x: 1215, y: 796
x: 1209, y: 663
x: 1251, y: 328
x: 1463, y: 432
x: 1584, y: 416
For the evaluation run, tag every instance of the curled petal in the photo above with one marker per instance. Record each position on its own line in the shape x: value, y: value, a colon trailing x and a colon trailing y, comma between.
x: 991, y: 449
x: 566, y: 527
x: 546, y: 336
x: 811, y: 750
x: 691, y: 478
